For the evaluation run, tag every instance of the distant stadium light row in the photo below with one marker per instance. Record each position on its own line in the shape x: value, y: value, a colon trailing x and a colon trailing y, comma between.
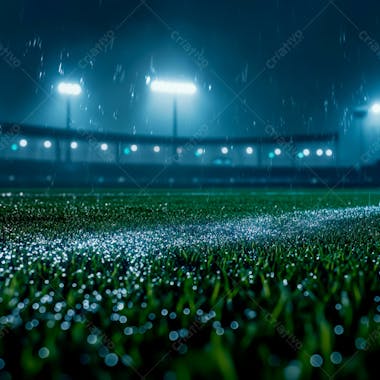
x: 23, y: 143
x: 276, y: 153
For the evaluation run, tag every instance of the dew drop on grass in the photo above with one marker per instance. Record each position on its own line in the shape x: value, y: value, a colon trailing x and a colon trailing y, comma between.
x: 65, y: 325
x: 292, y: 371
x: 111, y: 360
x: 220, y: 331
x: 127, y: 360
x: 92, y: 339
x: 316, y: 360
x: 123, y: 319
x: 250, y: 314
x: 128, y: 331
x: 360, y: 343
x: 336, y: 358
x: 43, y: 352
x: 173, y: 336
x: 234, y: 325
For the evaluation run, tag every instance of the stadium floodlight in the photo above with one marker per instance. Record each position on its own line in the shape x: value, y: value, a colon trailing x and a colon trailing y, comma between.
x: 199, y: 152
x: 174, y: 89
x: 73, y: 145
x: 47, y: 144
x: 319, y: 152
x: 23, y: 143
x: 375, y: 108
x: 306, y: 152
x: 70, y: 89
x: 329, y: 153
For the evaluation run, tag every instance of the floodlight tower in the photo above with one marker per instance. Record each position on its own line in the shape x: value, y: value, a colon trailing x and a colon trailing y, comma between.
x: 174, y: 89
x: 69, y: 90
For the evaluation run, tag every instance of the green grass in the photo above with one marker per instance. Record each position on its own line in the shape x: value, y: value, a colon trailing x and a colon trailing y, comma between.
x: 266, y: 308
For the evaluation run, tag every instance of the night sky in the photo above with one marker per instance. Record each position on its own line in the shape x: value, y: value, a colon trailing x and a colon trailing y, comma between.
x: 329, y: 65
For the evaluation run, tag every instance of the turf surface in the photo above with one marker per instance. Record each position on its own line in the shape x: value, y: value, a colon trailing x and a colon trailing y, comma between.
x: 182, y: 285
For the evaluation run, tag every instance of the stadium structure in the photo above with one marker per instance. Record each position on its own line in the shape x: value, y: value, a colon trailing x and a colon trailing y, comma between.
x: 50, y: 156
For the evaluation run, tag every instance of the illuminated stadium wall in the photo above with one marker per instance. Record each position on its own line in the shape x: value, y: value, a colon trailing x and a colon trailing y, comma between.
x: 33, y: 155
x: 45, y: 144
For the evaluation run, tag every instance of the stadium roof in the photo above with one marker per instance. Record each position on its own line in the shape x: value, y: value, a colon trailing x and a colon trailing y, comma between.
x: 83, y: 134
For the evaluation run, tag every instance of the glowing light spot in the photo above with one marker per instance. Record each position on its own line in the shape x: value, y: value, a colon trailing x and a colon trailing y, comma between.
x: 73, y: 89
x: 179, y: 88
x: 199, y: 152
x: 375, y: 108
x: 47, y: 144
x: 23, y: 143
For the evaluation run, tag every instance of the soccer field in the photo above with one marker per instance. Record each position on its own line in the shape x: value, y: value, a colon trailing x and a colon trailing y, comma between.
x: 183, y: 285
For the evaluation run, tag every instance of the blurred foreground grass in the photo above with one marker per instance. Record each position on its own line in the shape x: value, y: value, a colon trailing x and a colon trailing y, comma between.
x: 298, y: 308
